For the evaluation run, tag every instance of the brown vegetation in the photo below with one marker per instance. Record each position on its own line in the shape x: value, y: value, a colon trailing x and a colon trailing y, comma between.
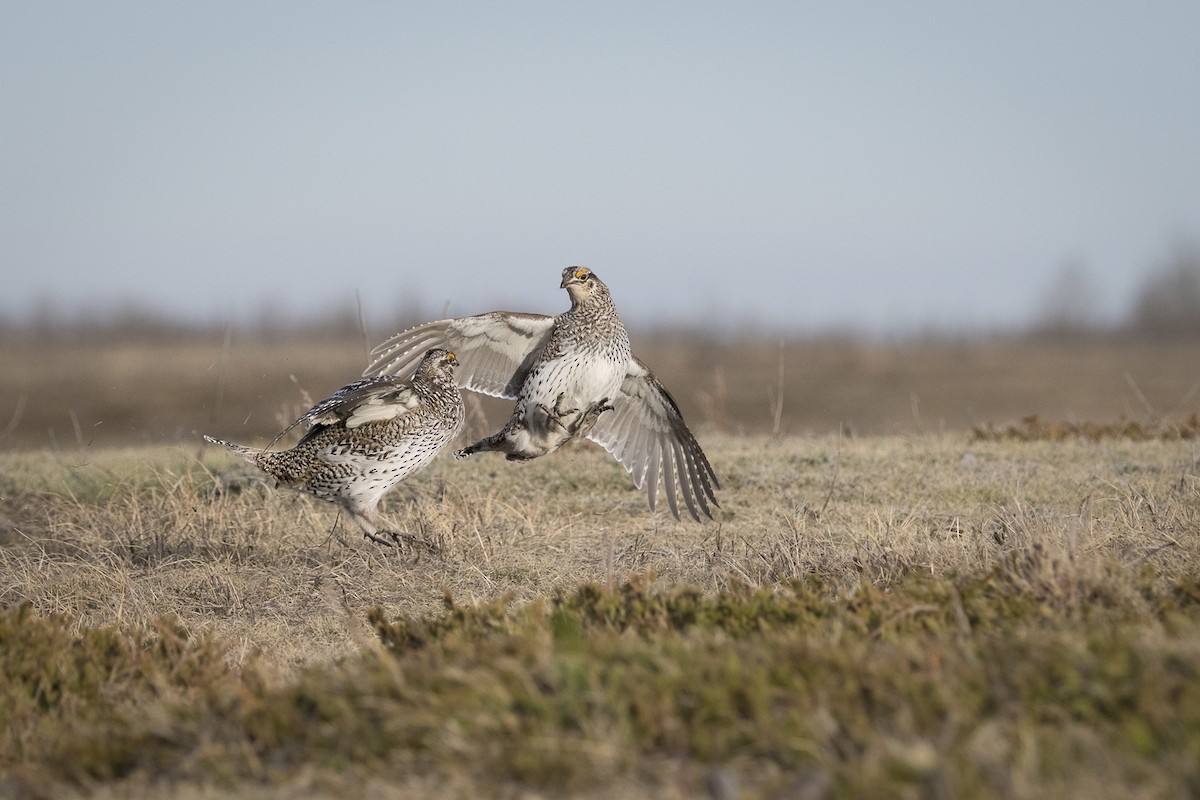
x: 911, y: 610
x: 873, y: 615
x: 1034, y: 428
x: 71, y: 394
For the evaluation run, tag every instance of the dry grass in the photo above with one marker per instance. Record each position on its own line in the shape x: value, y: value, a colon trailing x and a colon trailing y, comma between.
x: 1078, y: 528
x: 924, y: 614
x: 135, y: 534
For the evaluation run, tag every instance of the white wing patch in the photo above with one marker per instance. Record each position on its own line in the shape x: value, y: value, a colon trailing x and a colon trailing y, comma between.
x: 379, y: 409
x: 365, y: 400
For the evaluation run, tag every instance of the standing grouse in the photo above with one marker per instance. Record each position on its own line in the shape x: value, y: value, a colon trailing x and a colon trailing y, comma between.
x: 367, y: 438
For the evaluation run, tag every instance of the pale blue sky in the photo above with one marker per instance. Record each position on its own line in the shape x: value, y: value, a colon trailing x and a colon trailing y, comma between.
x: 800, y: 164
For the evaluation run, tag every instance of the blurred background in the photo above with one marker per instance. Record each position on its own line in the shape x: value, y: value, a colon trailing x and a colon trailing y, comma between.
x: 868, y: 217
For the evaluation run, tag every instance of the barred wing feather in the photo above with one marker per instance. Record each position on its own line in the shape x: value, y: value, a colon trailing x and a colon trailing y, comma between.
x: 646, y: 433
x: 494, y: 351
x: 366, y: 400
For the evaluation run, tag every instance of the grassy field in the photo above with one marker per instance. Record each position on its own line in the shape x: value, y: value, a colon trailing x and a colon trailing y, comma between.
x: 909, y: 608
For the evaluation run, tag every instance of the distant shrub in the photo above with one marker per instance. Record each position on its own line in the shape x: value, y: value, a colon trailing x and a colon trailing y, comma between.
x: 1168, y: 304
x: 1071, y: 304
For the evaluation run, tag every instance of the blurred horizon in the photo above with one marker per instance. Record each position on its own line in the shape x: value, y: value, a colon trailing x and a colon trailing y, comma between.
x: 1165, y: 303
x: 133, y: 386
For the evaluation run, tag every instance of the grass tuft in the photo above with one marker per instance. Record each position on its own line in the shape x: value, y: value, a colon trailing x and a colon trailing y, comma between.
x: 1035, y: 429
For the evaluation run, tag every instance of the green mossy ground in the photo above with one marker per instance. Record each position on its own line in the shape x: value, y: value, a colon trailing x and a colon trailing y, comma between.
x: 997, y: 684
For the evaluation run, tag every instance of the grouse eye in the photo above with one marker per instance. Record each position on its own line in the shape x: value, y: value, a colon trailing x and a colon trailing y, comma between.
x: 583, y: 274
